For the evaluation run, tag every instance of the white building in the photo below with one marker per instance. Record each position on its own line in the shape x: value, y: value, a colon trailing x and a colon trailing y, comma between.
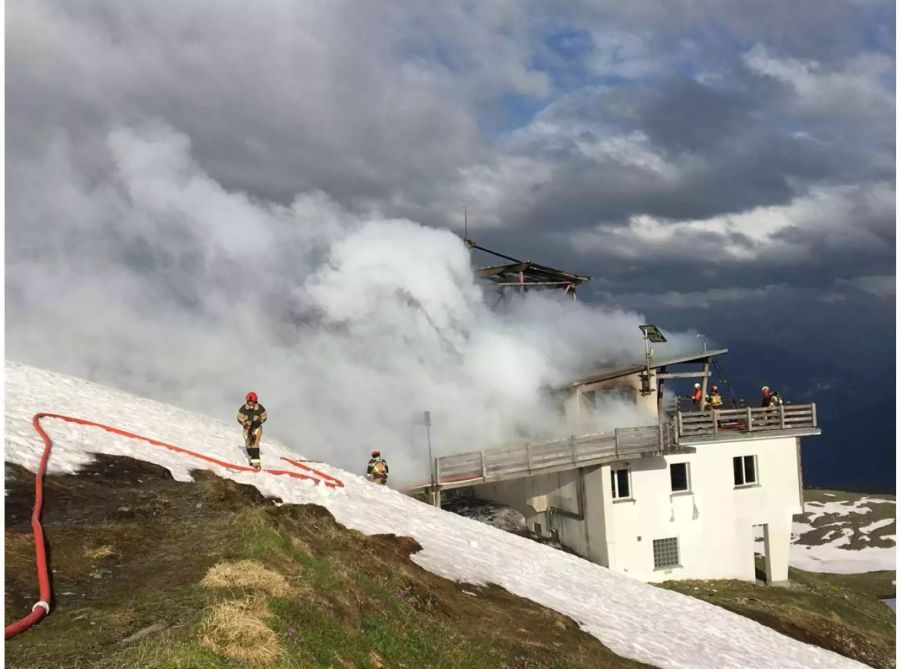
x: 682, y: 499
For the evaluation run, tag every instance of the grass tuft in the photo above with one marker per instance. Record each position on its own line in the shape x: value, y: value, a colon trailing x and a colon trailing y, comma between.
x: 100, y: 552
x: 246, y: 574
x: 237, y: 629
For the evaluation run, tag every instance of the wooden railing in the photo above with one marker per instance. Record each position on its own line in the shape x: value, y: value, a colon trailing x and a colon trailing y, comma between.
x: 749, y: 419
x: 522, y: 460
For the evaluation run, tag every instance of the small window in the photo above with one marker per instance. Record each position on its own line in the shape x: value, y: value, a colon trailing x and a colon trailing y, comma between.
x: 745, y: 470
x: 679, y: 473
x: 665, y: 553
x: 621, y: 484
x: 627, y: 394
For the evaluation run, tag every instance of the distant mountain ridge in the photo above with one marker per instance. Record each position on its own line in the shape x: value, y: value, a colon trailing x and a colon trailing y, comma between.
x: 856, y: 412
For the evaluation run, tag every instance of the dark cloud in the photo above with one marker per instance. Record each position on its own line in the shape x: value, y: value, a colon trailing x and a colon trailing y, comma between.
x: 667, y: 149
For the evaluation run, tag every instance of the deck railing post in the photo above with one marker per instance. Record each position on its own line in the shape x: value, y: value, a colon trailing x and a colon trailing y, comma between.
x: 715, y: 422
x: 680, y: 425
x: 749, y: 419
x: 781, y: 414
x: 483, y: 472
x: 528, y: 453
x: 814, y: 423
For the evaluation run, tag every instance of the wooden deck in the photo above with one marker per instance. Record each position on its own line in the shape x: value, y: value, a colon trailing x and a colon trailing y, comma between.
x: 680, y: 434
x: 750, y: 420
x: 500, y: 464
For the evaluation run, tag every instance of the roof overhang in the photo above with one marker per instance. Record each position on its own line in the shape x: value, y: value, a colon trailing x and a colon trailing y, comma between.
x: 618, y: 372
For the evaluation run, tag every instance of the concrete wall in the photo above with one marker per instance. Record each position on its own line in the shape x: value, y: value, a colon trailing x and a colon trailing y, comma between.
x: 533, y: 497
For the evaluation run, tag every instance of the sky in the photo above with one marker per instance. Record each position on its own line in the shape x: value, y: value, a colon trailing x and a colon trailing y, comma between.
x: 206, y: 196
x: 659, y: 627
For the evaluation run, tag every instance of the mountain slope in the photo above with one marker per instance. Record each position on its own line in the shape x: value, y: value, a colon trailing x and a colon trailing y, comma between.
x: 145, y: 569
x: 633, y: 619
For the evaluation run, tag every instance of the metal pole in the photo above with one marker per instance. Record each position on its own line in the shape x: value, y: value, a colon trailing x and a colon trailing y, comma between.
x: 430, y: 457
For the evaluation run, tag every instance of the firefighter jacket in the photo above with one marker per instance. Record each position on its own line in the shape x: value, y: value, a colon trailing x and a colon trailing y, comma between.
x: 773, y: 399
x: 377, y: 467
x: 252, y: 417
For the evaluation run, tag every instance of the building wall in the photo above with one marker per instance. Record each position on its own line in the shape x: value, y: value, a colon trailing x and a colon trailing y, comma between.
x: 581, y: 398
x: 714, y: 521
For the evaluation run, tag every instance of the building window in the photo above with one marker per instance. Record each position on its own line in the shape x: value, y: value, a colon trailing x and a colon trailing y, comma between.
x: 745, y: 470
x: 621, y: 484
x: 665, y: 553
x: 679, y: 472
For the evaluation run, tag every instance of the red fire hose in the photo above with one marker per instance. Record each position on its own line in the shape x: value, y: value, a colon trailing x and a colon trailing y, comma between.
x: 42, y: 606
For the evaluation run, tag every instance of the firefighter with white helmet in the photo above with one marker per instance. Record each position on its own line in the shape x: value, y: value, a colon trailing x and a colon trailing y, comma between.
x: 697, y: 396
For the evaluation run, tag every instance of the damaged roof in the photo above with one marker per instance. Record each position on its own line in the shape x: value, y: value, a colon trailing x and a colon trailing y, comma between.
x: 616, y: 372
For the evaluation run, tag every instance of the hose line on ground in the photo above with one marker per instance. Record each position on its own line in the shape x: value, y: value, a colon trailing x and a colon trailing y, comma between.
x: 42, y: 607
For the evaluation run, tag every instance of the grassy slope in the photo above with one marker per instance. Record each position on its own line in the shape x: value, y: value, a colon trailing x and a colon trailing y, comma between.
x: 130, y: 547
x: 816, y: 609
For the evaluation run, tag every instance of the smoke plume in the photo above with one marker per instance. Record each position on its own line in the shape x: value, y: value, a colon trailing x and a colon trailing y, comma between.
x: 130, y: 266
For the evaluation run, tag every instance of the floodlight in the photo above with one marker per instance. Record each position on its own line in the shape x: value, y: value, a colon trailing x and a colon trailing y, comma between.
x: 652, y: 333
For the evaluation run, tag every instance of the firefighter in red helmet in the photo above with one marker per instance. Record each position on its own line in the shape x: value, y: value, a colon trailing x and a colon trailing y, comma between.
x: 377, y: 469
x: 251, y: 416
x: 714, y: 399
x: 770, y: 398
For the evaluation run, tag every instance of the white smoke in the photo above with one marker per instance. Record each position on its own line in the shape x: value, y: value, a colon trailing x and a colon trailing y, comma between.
x: 140, y: 271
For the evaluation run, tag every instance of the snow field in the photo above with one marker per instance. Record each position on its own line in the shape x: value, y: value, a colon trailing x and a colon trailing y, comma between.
x: 634, y: 619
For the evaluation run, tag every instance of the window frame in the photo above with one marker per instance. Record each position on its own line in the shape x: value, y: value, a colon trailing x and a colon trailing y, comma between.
x: 744, y: 483
x: 616, y: 497
x: 687, y: 478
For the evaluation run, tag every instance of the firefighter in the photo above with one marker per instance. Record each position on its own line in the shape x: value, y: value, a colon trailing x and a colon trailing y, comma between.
x: 770, y: 398
x: 377, y: 469
x: 714, y: 399
x: 697, y: 397
x: 251, y: 416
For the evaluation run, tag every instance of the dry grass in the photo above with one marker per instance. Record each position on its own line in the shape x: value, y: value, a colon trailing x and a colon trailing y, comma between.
x: 99, y: 552
x: 122, y: 617
x: 246, y: 574
x: 19, y: 550
x: 237, y: 629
